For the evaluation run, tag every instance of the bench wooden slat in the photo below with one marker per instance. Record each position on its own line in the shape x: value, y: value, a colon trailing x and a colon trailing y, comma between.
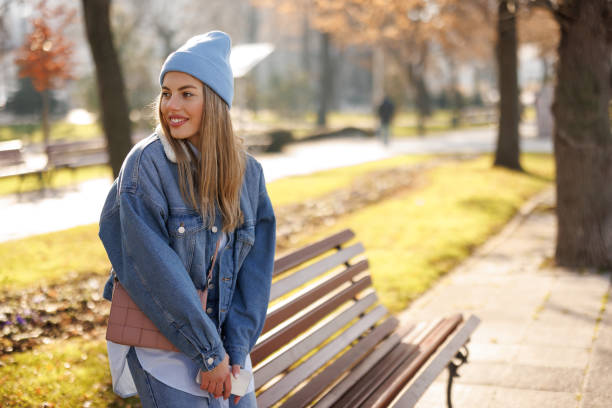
x: 343, y: 364
x: 411, y: 393
x: 284, y: 360
x: 286, y: 334
x: 300, y: 256
x: 406, y: 350
x: 280, y: 314
x: 379, y: 373
x: 383, y: 395
x: 317, y: 360
x: 332, y: 396
x: 310, y: 272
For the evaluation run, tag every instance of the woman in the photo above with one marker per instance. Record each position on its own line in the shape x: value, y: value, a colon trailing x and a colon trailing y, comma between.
x: 185, y: 195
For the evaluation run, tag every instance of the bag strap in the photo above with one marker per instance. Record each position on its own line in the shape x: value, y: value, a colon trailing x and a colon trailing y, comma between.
x: 209, y: 277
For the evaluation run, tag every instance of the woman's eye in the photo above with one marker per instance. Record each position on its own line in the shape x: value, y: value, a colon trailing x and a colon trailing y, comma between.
x: 187, y: 94
x: 165, y: 94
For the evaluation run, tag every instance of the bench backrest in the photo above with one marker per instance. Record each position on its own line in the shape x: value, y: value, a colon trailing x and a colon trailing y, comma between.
x: 330, y: 297
x: 11, y: 152
x: 328, y: 341
x: 63, y: 153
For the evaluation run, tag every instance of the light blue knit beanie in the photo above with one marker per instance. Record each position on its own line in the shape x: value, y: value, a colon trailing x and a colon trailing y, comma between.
x: 206, y: 57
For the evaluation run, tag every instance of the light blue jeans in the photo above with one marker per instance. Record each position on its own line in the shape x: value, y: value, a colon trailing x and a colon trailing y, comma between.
x: 155, y: 394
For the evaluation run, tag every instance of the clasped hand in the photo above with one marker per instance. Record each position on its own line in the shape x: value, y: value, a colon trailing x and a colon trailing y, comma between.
x: 217, y: 381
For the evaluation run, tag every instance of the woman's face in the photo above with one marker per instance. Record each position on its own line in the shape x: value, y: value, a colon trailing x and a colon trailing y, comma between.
x: 182, y: 100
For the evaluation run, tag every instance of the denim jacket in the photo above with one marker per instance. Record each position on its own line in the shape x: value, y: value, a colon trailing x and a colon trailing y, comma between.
x: 161, y: 248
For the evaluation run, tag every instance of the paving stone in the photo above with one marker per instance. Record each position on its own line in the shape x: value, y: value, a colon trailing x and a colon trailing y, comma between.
x: 598, y: 383
x: 550, y: 356
x: 541, y: 378
x: 538, y: 334
x: 556, y: 315
x: 499, y: 333
x: 516, y: 398
x: 491, y: 353
x: 519, y: 376
x: 462, y: 396
x: 506, y: 315
x: 604, y: 335
x: 482, y: 373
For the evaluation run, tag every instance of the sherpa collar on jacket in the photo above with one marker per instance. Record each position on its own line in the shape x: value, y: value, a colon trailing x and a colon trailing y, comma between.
x: 168, y: 148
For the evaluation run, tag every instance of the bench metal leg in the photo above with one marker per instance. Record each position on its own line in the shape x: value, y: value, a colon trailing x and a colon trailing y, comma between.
x: 453, y: 367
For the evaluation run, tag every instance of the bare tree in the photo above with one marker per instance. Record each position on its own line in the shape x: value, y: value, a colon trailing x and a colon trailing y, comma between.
x: 507, y: 153
x: 111, y: 89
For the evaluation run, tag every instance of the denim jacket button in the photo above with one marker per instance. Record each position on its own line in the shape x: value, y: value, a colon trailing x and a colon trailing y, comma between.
x: 209, y: 310
x: 214, y: 229
x: 181, y: 229
x: 210, y: 360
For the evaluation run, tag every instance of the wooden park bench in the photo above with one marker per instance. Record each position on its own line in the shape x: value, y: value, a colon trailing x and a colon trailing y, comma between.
x: 327, y: 342
x: 60, y: 155
x: 75, y: 154
x: 11, y: 153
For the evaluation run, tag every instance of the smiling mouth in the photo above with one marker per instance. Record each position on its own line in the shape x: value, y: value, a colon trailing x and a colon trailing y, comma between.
x: 176, y: 122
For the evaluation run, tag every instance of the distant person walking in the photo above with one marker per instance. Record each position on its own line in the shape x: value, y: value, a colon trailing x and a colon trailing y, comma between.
x: 386, y: 110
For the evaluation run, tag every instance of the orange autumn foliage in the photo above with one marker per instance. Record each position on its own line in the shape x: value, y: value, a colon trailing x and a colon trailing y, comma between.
x: 45, y: 56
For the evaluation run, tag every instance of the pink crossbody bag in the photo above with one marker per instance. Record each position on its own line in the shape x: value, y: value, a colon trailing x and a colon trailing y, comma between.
x: 128, y: 325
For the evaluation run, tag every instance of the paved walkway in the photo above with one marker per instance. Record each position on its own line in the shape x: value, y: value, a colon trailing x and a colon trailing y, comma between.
x: 546, y: 334
x: 65, y: 208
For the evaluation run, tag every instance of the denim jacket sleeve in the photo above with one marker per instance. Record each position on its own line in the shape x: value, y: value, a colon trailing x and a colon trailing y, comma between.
x: 135, y: 236
x: 247, y: 312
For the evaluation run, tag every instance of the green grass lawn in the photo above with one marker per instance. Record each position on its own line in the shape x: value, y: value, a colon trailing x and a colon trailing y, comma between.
x: 70, y: 373
x: 411, y: 240
x: 60, y: 130
x: 298, y: 188
x: 51, y: 258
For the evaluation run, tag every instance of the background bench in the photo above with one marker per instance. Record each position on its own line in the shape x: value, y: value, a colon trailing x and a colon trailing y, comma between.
x: 76, y: 154
x: 60, y: 155
x: 11, y: 153
x: 328, y: 342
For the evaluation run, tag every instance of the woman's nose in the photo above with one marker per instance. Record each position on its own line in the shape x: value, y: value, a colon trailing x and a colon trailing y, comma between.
x: 173, y: 103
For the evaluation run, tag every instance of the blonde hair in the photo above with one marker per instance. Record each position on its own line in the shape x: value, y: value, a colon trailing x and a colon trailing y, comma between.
x: 215, y: 180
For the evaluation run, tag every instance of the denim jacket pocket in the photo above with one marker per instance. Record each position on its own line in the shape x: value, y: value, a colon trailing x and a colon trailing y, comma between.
x: 182, y: 229
x: 245, y: 238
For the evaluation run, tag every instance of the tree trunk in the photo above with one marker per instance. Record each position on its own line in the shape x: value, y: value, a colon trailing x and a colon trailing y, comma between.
x: 325, y: 79
x: 423, y: 104
x: 251, y: 94
x: 45, y: 117
x: 583, y: 142
x: 111, y: 89
x: 508, y: 151
x: 456, y: 104
x: 305, y: 45
x: 423, y: 101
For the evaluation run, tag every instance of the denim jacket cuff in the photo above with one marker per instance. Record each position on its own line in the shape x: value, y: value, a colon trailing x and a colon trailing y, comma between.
x: 237, y: 356
x: 208, y: 361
